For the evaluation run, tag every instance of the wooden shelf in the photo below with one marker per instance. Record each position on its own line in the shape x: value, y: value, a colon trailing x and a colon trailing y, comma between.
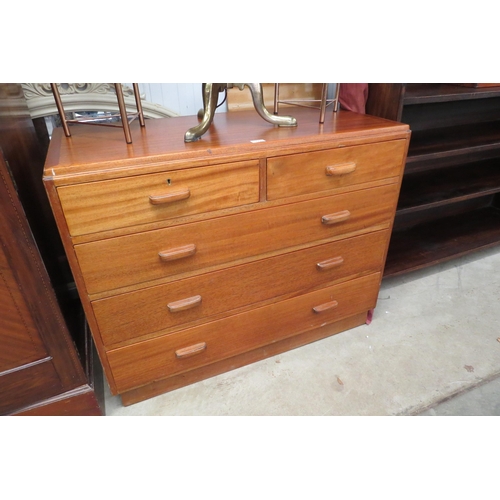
x: 443, y: 239
x: 430, y: 189
x: 454, y: 141
x: 425, y: 93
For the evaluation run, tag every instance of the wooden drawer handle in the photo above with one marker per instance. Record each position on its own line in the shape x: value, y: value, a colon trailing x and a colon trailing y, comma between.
x: 185, y: 352
x: 177, y: 253
x: 160, y: 199
x: 330, y: 263
x: 324, y: 307
x: 183, y: 304
x: 347, y: 168
x: 336, y: 217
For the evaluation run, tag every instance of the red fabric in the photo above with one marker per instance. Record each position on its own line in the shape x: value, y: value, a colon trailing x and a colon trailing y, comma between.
x: 369, y: 316
x: 353, y: 96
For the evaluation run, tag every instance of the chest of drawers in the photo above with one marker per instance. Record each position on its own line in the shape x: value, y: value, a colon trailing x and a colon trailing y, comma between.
x: 194, y: 259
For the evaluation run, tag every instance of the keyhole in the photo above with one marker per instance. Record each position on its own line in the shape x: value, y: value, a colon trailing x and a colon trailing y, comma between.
x: 169, y: 181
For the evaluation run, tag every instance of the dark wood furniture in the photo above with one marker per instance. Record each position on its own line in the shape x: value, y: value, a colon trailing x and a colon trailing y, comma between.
x: 192, y: 259
x: 449, y: 203
x: 41, y: 369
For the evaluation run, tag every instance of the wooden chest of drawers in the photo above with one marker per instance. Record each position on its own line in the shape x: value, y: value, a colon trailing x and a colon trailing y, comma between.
x: 193, y: 259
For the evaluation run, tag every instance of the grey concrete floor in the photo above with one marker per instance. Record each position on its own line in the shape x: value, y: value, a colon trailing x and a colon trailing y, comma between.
x: 482, y: 400
x: 432, y: 349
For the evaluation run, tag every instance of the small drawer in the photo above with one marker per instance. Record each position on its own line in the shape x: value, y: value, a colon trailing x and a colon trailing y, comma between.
x: 139, y: 364
x: 164, y: 253
x: 176, y: 305
x: 332, y: 169
x: 104, y: 205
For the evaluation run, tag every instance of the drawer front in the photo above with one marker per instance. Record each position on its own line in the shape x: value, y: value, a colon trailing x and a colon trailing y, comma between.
x: 164, y: 253
x: 175, y: 305
x: 328, y: 170
x: 155, y: 359
x: 104, y: 205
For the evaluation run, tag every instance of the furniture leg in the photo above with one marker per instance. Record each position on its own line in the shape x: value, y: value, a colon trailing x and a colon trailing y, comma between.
x: 258, y: 102
x: 210, y: 97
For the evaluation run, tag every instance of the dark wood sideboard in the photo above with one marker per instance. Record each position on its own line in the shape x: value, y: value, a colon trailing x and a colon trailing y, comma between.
x: 449, y: 203
x: 45, y: 359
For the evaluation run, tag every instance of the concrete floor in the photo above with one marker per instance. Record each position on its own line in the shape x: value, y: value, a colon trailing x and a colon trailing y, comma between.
x: 433, y: 348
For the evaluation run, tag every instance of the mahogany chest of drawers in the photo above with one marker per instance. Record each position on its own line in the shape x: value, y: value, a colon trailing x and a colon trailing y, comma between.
x: 192, y: 259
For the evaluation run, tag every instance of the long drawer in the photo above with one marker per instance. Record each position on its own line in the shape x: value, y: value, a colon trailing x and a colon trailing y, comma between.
x: 176, y: 305
x: 103, y: 205
x: 145, y: 362
x: 332, y: 169
x: 162, y: 254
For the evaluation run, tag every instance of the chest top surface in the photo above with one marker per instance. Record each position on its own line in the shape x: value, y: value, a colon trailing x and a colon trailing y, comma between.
x: 234, y: 135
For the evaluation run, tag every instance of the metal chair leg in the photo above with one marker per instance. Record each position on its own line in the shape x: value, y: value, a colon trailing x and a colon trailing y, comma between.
x: 60, y: 109
x: 123, y: 112
x: 322, y: 109
x: 336, y: 98
x: 138, y: 104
